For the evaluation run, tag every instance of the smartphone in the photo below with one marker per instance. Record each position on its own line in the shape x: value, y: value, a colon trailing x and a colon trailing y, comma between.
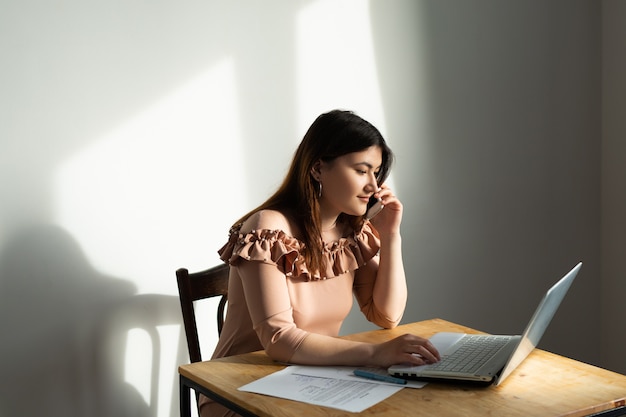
x: 374, y: 206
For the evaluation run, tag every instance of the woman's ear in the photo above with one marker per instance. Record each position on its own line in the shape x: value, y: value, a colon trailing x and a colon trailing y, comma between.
x: 315, y: 171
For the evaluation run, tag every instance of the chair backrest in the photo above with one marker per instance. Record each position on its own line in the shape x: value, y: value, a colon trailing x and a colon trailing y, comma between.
x: 212, y: 282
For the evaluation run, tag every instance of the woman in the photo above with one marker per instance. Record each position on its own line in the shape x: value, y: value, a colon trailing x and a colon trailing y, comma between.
x: 297, y: 259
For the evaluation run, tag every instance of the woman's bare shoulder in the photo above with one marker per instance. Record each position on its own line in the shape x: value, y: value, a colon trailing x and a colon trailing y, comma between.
x: 271, y: 220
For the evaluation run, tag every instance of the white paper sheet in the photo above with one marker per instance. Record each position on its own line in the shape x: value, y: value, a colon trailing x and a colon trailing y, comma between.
x: 336, y: 390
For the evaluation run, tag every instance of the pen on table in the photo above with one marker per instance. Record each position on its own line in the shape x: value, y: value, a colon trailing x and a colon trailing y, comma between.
x: 379, y: 377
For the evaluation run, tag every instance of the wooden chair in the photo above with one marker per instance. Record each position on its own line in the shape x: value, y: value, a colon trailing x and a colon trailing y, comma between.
x: 212, y: 282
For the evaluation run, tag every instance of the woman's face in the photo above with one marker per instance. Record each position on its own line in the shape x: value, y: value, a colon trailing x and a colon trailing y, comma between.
x: 349, y: 181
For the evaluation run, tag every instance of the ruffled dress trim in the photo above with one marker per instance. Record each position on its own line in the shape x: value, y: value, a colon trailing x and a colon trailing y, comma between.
x: 277, y: 248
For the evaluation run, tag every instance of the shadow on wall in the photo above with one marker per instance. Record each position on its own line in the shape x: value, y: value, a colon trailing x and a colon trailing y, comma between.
x: 64, y: 328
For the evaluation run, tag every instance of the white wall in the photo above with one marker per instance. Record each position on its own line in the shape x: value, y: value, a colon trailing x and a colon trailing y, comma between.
x: 115, y: 117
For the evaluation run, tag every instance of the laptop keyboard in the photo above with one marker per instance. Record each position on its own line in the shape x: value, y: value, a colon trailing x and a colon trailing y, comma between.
x: 475, y: 351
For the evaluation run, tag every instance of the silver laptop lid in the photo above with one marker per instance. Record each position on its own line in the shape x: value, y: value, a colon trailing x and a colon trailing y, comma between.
x: 539, y: 321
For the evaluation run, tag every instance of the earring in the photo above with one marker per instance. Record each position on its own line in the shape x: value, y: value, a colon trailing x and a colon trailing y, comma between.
x: 320, y: 192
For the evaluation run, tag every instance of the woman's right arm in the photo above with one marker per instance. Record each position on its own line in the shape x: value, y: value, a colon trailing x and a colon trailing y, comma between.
x: 268, y: 300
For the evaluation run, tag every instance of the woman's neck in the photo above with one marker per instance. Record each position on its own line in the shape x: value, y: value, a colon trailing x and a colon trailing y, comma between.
x: 329, y: 227
x: 334, y: 232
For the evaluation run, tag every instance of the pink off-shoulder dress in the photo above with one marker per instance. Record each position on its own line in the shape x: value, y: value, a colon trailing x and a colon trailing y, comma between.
x: 299, y: 302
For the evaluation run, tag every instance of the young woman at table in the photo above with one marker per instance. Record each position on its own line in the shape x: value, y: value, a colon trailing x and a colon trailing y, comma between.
x: 297, y: 259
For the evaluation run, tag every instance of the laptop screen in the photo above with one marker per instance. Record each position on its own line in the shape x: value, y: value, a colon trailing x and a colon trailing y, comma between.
x: 540, y: 320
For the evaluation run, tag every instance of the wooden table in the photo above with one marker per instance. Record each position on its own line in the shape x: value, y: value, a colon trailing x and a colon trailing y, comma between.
x: 545, y: 384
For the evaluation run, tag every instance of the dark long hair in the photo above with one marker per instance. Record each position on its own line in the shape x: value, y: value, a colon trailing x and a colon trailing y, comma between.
x: 331, y: 135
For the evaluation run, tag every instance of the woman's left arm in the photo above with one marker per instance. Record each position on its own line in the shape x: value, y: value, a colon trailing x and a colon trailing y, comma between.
x: 380, y: 286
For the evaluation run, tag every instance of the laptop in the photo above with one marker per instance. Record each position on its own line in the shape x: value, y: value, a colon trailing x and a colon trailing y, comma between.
x: 488, y: 359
